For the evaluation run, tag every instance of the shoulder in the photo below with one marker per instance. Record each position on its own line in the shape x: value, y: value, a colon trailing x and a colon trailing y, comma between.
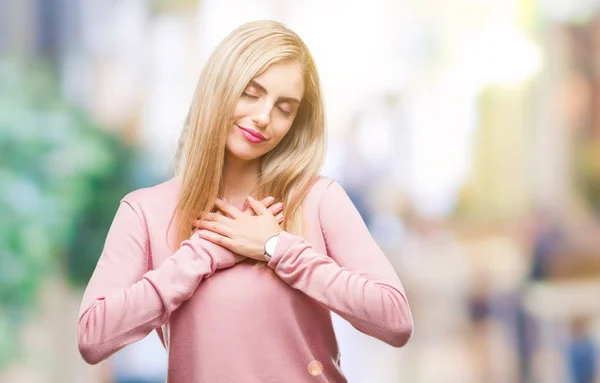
x: 321, y: 184
x: 160, y: 196
x: 319, y: 187
x: 322, y: 187
x: 329, y: 197
x: 328, y: 186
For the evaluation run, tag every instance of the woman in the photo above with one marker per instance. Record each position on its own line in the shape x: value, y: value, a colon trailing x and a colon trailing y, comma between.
x: 184, y: 257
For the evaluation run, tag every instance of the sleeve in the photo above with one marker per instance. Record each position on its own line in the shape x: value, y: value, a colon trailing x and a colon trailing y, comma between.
x: 123, y: 302
x: 355, y: 279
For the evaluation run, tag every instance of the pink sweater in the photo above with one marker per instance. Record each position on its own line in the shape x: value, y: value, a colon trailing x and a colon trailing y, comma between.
x: 241, y: 323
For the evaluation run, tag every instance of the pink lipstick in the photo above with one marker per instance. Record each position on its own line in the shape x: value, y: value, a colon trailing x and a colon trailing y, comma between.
x: 252, y: 135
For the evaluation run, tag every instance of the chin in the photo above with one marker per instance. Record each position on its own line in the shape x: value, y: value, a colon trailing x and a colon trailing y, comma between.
x: 244, y: 154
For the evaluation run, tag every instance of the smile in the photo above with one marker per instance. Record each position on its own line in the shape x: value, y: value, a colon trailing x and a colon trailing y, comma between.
x: 252, y: 135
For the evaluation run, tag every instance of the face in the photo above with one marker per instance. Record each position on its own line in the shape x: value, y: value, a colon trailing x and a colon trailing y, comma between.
x: 265, y: 111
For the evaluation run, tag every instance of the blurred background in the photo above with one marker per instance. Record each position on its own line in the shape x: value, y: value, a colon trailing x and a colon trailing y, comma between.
x: 467, y: 132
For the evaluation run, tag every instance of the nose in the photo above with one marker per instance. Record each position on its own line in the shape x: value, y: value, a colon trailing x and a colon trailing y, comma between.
x: 262, y: 114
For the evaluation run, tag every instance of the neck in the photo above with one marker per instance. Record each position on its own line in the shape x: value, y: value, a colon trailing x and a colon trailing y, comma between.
x: 239, y: 179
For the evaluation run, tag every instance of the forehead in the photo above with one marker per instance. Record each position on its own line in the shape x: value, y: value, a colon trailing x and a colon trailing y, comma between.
x: 283, y: 80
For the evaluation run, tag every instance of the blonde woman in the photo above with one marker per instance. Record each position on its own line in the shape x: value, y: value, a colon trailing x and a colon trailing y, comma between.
x: 184, y: 257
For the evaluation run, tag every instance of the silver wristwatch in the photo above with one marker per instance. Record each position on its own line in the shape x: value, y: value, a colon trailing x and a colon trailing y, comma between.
x: 270, y: 246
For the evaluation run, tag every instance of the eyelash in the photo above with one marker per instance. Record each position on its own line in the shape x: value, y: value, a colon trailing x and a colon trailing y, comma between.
x: 249, y: 95
x: 285, y: 112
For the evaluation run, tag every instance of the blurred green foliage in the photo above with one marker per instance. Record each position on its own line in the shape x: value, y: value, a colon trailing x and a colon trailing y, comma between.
x: 61, y: 178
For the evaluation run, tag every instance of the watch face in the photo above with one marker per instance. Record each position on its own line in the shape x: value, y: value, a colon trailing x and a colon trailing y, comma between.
x: 271, y: 245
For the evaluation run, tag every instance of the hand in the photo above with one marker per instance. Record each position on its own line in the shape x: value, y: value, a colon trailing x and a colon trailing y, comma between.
x: 275, y: 209
x: 240, y: 232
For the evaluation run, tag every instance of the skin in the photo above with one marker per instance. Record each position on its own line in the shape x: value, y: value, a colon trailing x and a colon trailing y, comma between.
x: 268, y: 106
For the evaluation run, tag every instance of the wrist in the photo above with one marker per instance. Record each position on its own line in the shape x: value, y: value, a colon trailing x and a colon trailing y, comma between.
x: 270, y: 246
x: 221, y: 256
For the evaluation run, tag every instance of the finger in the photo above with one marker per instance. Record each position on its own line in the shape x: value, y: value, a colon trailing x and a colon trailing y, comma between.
x: 197, y: 221
x: 211, y: 217
x: 216, y: 227
x: 217, y: 217
x: 258, y: 207
x: 279, y: 218
x: 276, y: 209
x: 217, y: 239
x: 266, y: 202
x: 228, y: 209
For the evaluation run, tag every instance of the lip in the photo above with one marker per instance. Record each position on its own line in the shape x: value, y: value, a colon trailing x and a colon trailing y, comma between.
x: 253, y: 135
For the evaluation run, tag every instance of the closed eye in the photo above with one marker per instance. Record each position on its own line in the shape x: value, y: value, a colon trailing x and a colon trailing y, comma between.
x: 246, y: 94
x: 284, y: 111
x: 285, y: 108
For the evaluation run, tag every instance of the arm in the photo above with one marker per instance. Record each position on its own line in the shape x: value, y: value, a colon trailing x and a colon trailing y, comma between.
x: 356, y: 280
x: 124, y: 302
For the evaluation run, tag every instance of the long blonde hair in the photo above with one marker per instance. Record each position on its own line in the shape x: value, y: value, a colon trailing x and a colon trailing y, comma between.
x: 289, y: 170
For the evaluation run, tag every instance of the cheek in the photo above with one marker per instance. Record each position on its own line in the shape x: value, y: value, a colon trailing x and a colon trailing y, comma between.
x: 280, y: 131
x: 239, y: 110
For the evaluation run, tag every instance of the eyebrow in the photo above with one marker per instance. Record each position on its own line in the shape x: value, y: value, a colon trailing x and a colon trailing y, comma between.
x: 264, y: 90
